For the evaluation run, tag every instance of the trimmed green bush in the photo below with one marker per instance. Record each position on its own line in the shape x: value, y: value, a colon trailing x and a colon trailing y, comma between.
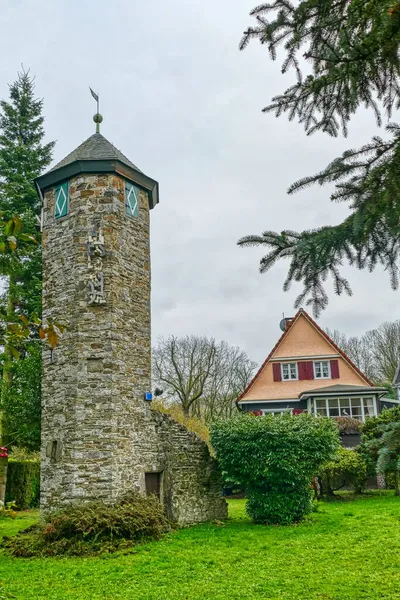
x: 92, y: 528
x: 274, y: 459
x: 23, y: 483
x: 346, y: 469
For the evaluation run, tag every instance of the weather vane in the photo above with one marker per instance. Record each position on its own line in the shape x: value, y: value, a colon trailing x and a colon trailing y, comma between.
x: 97, y: 117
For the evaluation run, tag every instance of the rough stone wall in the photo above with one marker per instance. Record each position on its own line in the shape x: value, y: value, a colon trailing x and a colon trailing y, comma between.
x: 99, y: 437
x: 191, y: 485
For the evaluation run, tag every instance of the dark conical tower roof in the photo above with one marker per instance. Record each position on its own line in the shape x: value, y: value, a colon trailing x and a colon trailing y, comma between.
x: 97, y: 147
x: 98, y: 155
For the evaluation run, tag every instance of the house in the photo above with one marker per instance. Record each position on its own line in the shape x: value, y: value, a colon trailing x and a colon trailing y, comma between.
x: 396, y: 382
x: 307, y: 371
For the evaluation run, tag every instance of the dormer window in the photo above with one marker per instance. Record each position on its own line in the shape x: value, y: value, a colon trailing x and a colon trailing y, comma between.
x: 62, y: 198
x: 131, y: 199
x: 289, y: 371
x: 322, y: 369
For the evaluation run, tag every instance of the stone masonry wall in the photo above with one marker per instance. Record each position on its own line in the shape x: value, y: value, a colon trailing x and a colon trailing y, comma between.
x: 191, y: 486
x: 99, y: 437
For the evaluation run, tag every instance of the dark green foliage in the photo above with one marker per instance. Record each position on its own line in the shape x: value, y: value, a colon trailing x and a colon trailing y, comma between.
x: 274, y: 459
x: 352, y: 49
x: 22, y: 410
x: 372, y: 428
x: 23, y: 483
x: 388, y: 453
x: 380, y: 448
x: 346, y: 469
x: 371, y: 440
x: 280, y: 504
x: 92, y: 528
x: 23, y: 156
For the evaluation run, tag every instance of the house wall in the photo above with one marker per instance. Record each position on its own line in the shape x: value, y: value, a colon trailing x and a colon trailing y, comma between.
x: 301, y: 340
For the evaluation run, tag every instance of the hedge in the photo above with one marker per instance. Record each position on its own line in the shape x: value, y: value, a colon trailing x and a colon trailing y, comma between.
x: 23, y: 483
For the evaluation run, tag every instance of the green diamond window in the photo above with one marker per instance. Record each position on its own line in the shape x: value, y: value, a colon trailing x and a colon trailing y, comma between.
x: 61, y: 208
x: 131, y: 199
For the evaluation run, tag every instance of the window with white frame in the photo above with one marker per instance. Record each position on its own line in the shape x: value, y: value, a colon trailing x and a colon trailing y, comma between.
x: 358, y: 408
x: 322, y: 369
x: 289, y: 371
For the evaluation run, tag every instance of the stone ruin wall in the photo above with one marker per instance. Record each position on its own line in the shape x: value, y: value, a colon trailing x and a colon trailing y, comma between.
x: 191, y: 486
x: 99, y: 437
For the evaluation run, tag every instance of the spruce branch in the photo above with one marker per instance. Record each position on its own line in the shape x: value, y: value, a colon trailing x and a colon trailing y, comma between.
x: 344, y: 54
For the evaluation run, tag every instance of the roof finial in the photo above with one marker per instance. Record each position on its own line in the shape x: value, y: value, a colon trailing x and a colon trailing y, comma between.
x: 97, y: 117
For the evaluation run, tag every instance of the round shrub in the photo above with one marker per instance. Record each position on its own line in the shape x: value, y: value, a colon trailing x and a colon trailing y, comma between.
x: 346, y: 469
x: 274, y: 459
x: 92, y: 528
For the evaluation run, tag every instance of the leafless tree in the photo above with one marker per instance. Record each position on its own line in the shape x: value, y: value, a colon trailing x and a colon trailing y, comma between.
x: 204, y: 377
x: 376, y: 353
x: 182, y: 367
x: 358, y: 349
x: 232, y: 372
x: 385, y: 348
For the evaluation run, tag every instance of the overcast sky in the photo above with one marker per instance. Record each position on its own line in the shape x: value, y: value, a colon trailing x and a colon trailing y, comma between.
x: 184, y: 104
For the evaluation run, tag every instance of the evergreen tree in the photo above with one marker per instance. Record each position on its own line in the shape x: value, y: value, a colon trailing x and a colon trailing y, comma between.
x: 22, y: 400
x: 352, y: 49
x: 23, y: 156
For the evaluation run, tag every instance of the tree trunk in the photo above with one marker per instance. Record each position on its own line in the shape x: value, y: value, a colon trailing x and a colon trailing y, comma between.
x: 397, y: 483
x: 3, y: 479
x: 6, y: 383
x: 7, y: 374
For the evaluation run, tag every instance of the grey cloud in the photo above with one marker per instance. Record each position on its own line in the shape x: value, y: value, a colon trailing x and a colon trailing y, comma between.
x: 184, y: 104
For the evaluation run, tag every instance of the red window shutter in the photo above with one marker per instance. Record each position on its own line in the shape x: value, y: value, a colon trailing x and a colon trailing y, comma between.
x: 335, y: 369
x: 297, y: 411
x: 302, y: 368
x: 306, y: 370
x: 276, y: 367
x: 310, y: 369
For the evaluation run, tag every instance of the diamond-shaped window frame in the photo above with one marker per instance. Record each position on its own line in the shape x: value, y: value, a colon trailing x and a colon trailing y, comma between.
x: 62, y: 200
x: 131, y: 200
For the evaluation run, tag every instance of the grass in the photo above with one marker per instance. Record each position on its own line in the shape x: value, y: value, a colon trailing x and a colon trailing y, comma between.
x: 348, y: 549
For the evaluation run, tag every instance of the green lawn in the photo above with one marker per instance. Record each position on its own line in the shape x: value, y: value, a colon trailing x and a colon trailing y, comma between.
x: 346, y: 550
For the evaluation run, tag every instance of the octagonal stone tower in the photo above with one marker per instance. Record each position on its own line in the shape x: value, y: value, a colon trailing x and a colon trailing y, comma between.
x: 100, y: 437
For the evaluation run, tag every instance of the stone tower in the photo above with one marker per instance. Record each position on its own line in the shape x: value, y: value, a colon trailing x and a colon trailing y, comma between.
x: 100, y: 436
